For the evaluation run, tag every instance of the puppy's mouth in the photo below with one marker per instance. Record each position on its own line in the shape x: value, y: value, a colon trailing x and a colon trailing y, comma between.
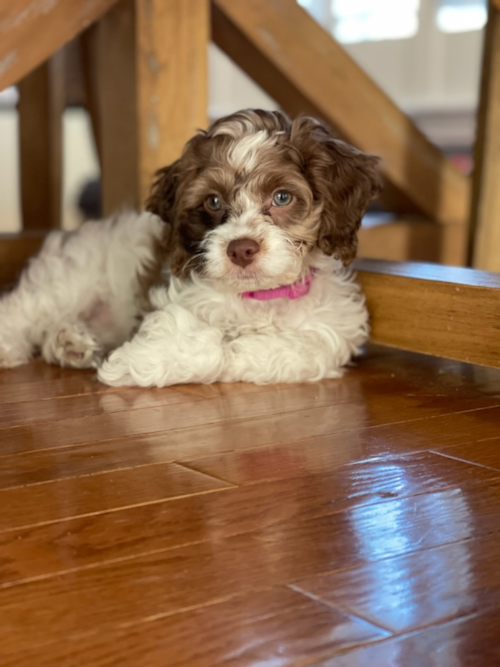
x: 253, y: 278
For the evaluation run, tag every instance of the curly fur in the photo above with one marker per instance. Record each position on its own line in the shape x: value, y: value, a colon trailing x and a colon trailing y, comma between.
x: 154, y: 299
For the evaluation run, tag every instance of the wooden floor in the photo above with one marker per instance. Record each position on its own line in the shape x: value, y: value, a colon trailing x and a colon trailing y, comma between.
x: 346, y: 523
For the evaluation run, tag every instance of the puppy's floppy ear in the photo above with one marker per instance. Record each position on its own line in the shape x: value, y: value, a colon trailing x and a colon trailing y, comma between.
x: 161, y: 200
x: 344, y: 181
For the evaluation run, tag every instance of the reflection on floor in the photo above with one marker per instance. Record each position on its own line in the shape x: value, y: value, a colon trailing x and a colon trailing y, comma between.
x: 353, y: 522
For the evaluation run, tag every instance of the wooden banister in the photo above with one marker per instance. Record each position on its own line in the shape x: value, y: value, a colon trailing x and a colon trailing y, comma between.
x: 442, y: 311
x: 41, y: 107
x: 484, y: 247
x: 302, y: 67
x: 147, y: 67
x: 15, y: 251
x: 32, y: 30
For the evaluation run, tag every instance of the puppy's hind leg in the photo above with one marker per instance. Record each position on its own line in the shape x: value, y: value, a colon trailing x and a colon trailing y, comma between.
x: 26, y: 310
x: 16, y: 343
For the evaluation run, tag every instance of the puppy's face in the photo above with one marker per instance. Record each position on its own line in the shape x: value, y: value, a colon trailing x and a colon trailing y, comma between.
x: 251, y: 199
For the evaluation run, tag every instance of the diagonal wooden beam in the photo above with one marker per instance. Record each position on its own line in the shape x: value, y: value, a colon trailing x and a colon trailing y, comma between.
x: 32, y: 30
x: 302, y: 67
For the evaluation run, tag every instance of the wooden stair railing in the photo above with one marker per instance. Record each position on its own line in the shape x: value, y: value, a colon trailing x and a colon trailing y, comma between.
x: 31, y: 31
x: 147, y: 65
x: 147, y: 78
x: 41, y: 106
x: 484, y: 230
x: 146, y: 75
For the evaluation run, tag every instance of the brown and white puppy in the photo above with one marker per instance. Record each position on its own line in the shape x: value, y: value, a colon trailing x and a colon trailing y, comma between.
x: 245, y: 244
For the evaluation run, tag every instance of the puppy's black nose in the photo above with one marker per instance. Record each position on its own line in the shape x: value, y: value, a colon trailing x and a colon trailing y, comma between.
x: 242, y: 251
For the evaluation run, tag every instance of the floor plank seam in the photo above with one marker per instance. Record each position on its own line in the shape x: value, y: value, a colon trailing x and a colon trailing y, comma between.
x: 344, y: 610
x: 110, y: 391
x: 443, y: 454
x: 110, y: 471
x: 400, y: 637
x: 186, y: 466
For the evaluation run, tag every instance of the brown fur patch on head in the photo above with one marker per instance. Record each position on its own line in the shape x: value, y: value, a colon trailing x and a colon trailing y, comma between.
x: 163, y: 202
x: 242, y: 159
x: 343, y: 178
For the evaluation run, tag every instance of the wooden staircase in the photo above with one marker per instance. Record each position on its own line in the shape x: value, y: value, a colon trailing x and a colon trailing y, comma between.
x: 145, y: 74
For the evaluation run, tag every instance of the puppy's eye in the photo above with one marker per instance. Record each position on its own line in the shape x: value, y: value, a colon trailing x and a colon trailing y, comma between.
x: 213, y: 203
x: 282, y: 198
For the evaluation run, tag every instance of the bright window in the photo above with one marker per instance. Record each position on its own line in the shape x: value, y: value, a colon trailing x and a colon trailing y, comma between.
x: 461, y: 15
x: 374, y: 20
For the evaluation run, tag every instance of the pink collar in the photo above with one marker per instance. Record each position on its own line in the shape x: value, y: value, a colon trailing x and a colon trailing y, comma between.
x: 294, y: 291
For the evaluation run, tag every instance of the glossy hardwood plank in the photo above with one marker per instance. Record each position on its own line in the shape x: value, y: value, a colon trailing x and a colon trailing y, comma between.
x: 290, y: 410
x: 410, y: 372
x: 466, y: 643
x: 52, y: 410
x: 297, y: 459
x: 41, y: 389
x: 126, y: 590
x: 428, y: 587
x: 382, y: 374
x: 244, y: 630
x: 38, y: 371
x: 235, y: 440
x: 167, y: 418
x: 149, y: 549
x: 52, y: 501
x: 102, y: 535
x: 37, y: 381
x: 291, y: 458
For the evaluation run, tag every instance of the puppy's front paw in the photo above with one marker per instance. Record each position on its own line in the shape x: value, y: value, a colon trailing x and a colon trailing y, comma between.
x: 115, y: 371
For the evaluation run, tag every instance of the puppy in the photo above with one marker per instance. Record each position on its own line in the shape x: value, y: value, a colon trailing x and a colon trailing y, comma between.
x: 236, y: 272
